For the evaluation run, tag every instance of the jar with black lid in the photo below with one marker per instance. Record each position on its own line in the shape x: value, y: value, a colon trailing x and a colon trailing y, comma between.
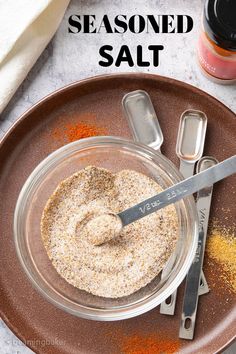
x: 217, y: 42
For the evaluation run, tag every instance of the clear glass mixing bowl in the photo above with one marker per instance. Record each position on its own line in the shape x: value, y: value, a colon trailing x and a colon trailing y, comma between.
x: 114, y: 154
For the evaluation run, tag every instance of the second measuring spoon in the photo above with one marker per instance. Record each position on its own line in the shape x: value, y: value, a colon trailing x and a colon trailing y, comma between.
x: 189, y: 149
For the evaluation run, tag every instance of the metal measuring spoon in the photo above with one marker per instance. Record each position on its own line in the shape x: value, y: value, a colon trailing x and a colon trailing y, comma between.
x: 145, y: 128
x: 190, y: 300
x: 174, y: 194
x: 179, y: 191
x: 142, y: 119
x: 189, y: 149
x: 190, y: 140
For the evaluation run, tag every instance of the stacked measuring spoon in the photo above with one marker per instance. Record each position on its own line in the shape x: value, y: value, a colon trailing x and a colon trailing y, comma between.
x: 145, y: 129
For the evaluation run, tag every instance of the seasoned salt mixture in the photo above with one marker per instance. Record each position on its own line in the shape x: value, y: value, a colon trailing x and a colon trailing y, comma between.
x: 102, y: 228
x: 119, y: 266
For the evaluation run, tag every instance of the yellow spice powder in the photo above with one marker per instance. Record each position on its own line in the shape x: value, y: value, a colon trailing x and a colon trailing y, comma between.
x: 221, y: 246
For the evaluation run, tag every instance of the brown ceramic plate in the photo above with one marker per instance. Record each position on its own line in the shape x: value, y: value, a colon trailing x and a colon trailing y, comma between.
x: 39, y: 324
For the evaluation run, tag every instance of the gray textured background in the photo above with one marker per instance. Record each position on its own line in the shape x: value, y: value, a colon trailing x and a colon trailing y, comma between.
x: 73, y: 57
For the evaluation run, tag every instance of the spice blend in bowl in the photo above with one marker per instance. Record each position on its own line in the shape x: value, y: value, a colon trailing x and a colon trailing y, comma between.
x: 122, y: 265
x: 125, y: 168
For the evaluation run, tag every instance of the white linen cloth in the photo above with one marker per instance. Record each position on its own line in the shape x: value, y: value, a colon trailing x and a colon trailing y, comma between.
x: 26, y: 27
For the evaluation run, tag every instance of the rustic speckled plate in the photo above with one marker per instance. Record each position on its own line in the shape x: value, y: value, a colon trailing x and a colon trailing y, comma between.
x: 36, y: 322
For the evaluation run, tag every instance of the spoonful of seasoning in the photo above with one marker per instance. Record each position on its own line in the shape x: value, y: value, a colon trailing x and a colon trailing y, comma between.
x: 102, y: 228
x: 106, y: 227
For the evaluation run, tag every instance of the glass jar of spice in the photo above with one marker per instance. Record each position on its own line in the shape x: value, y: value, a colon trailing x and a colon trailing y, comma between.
x: 217, y: 42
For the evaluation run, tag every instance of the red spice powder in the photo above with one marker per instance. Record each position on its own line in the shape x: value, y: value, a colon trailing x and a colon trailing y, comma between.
x: 70, y: 132
x: 81, y: 130
x: 151, y: 344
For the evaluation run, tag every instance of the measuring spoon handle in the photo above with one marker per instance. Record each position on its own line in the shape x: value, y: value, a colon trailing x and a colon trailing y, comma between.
x: 179, y: 191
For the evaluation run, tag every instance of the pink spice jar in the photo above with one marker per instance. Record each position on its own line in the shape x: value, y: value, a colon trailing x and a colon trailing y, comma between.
x: 217, y: 41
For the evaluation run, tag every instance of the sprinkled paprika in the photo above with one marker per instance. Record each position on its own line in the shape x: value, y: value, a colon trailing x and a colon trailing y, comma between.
x: 81, y: 130
x: 151, y: 344
x: 75, y: 130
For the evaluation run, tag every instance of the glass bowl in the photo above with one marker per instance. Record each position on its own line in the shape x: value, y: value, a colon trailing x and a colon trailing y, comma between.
x: 114, y: 154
